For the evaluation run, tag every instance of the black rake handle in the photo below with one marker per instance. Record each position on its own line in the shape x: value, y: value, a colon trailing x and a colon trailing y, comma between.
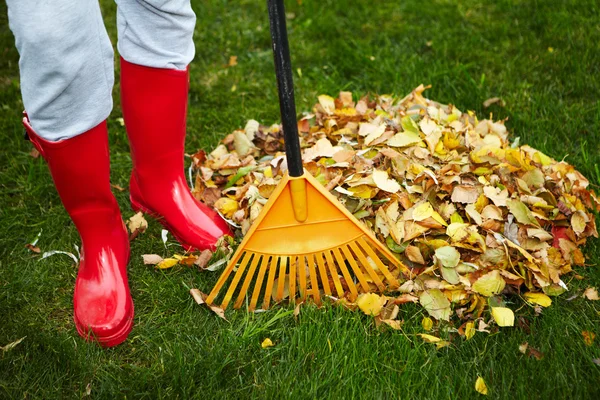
x: 285, y: 85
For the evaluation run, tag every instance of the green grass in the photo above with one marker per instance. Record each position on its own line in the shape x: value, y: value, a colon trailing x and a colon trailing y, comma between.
x: 469, y: 51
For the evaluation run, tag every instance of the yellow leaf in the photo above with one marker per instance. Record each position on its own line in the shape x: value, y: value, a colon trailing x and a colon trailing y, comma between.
x: 266, y: 343
x: 383, y: 181
x: 480, y: 386
x: 591, y: 294
x: 422, y: 211
x: 429, y: 338
x: 503, y: 316
x: 167, y: 263
x: 588, y: 337
x: 327, y: 103
x: 226, y: 206
x: 439, y: 343
x: 470, y: 330
x: 370, y: 303
x: 393, y: 323
x: 489, y: 284
x: 578, y: 221
x: 427, y: 323
x: 538, y: 298
x: 137, y: 223
x: 436, y: 304
x: 404, y: 139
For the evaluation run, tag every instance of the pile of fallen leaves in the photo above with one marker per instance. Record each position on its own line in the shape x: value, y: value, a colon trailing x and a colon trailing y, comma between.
x: 471, y: 215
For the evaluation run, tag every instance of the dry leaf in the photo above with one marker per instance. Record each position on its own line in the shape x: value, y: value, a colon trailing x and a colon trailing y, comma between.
x: 538, y: 298
x: 266, y: 343
x: 591, y: 294
x: 136, y: 224
x: 370, y: 303
x: 12, y: 345
x: 503, y: 316
x: 480, y: 386
x: 151, y: 259
x: 588, y: 337
x: 167, y: 263
x: 200, y: 298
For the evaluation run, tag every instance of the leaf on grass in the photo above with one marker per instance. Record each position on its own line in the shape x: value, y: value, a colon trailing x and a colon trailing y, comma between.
x: 503, y: 316
x: 54, y: 252
x: 427, y: 323
x: 588, y: 337
x: 203, y: 259
x: 439, y: 343
x: 538, y: 298
x: 480, y: 386
x: 470, y: 330
x: 167, y: 263
x: 267, y: 343
x: 436, y: 304
x: 151, y: 259
x: 200, y: 298
x: 591, y: 294
x: 137, y: 224
x: 12, y: 345
x: 370, y: 303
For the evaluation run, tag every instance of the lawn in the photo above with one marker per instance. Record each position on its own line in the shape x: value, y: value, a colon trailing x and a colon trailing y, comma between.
x: 541, y: 57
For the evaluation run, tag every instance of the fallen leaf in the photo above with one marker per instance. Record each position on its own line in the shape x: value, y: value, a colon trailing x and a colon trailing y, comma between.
x: 493, y: 100
x: 136, y: 224
x: 203, y: 259
x: 427, y: 323
x: 470, y: 330
x: 588, y: 337
x: 448, y: 256
x: 266, y: 343
x: 151, y: 259
x: 232, y: 61
x: 538, y: 298
x: 33, y: 248
x: 327, y: 103
x: 200, y: 298
x: 503, y: 316
x: 480, y: 386
x: 591, y: 294
x: 436, y: 304
x: 12, y: 345
x: 370, y: 303
x: 489, y: 284
x: 167, y: 263
x: 383, y: 182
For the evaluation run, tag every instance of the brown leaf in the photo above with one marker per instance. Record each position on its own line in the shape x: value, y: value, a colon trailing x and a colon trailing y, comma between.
x: 203, y: 259
x: 33, y: 248
x: 200, y: 298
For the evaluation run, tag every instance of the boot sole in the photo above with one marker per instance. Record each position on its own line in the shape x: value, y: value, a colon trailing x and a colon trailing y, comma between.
x: 112, y: 340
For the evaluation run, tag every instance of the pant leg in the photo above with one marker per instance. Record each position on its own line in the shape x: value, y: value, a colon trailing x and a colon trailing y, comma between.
x: 156, y: 33
x: 66, y: 65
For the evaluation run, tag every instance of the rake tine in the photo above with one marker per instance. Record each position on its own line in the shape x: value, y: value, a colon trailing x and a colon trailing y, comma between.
x: 377, y: 261
x: 281, y: 279
x: 356, y: 268
x: 293, y: 275
x: 367, y: 266
x: 236, y: 279
x: 323, y: 273
x: 223, y: 278
x: 259, y: 280
x: 314, y: 283
x: 270, y: 279
x: 302, y: 277
x: 247, y: 281
x: 334, y: 275
x: 345, y: 272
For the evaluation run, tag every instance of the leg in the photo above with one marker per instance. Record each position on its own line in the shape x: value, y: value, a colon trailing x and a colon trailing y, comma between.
x: 156, y: 33
x: 66, y: 80
x: 154, y: 95
x: 66, y: 65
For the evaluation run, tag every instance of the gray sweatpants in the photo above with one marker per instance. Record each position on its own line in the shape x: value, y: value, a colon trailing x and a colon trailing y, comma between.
x: 66, y: 58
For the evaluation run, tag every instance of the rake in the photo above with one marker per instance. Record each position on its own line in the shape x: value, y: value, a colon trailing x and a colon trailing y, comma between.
x: 304, y: 240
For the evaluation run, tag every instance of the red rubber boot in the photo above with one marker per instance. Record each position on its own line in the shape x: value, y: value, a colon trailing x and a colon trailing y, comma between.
x: 80, y: 168
x: 154, y: 103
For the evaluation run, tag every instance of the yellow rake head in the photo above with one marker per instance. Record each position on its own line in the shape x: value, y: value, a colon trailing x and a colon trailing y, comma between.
x: 329, y: 251
x: 303, y: 238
